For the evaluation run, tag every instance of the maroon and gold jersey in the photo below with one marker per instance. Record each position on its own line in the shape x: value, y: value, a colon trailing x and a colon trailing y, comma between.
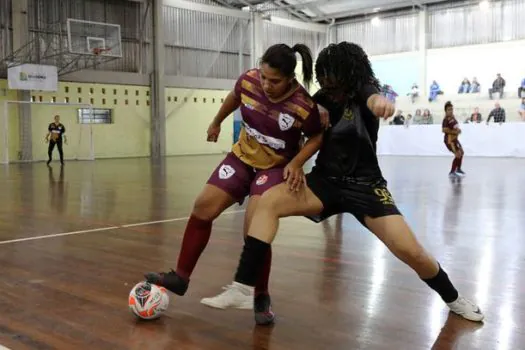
x: 452, y: 124
x: 272, y: 131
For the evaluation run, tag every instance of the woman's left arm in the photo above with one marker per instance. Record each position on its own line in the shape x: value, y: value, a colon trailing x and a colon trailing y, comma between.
x: 293, y: 172
x: 379, y: 105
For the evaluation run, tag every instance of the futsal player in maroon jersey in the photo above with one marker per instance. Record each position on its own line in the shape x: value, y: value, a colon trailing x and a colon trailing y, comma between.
x: 450, y: 127
x: 346, y: 178
x: 276, y: 112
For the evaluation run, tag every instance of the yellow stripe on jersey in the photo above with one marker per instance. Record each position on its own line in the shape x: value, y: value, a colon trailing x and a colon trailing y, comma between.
x: 259, y: 107
x: 307, y: 101
x: 251, y: 87
x: 253, y: 73
x: 300, y: 111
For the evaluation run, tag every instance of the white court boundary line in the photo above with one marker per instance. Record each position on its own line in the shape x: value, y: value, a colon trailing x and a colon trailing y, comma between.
x: 71, y: 233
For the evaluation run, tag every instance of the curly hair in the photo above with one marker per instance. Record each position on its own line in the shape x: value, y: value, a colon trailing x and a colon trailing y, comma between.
x: 348, y: 65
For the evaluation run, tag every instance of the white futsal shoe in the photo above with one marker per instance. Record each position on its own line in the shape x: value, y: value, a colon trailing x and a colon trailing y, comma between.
x: 466, y: 309
x: 235, y: 296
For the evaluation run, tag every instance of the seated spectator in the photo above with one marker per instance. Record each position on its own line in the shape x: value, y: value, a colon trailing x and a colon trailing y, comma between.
x: 522, y: 109
x: 427, y: 117
x: 498, y: 113
x: 398, y: 118
x: 521, y: 88
x: 414, y: 92
x: 475, y: 117
x: 464, y: 88
x: 435, y: 90
x: 475, y: 87
x: 417, y: 117
x: 408, y: 120
x: 497, y: 86
x: 389, y: 93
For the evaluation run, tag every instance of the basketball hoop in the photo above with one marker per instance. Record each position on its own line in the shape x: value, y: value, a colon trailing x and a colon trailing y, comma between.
x: 98, y: 50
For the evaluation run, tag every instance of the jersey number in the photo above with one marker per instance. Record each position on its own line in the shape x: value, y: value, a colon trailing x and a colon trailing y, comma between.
x: 384, y: 196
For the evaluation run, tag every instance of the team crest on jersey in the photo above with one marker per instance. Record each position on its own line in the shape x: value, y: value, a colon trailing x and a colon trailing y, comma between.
x: 348, y: 114
x: 285, y: 121
x: 261, y: 180
x: 225, y: 172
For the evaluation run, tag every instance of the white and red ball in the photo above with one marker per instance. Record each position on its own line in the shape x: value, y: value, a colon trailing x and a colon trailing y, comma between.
x: 148, y: 301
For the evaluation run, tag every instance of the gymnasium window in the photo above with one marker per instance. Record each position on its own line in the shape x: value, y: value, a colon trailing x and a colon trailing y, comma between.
x: 100, y: 116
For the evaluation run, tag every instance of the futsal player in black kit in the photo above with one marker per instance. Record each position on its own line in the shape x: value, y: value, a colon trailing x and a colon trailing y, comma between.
x: 55, y: 134
x: 346, y: 178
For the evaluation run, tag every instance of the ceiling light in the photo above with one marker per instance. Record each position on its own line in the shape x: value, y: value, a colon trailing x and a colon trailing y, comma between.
x: 484, y: 5
x: 375, y: 21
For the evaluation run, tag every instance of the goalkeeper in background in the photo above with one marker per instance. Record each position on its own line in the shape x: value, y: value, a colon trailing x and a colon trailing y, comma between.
x: 56, y: 131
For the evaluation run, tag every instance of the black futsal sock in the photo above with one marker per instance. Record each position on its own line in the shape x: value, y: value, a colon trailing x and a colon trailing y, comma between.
x: 252, y: 261
x: 442, y: 285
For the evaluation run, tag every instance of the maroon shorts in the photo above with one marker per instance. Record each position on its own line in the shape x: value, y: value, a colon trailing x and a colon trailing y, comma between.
x: 240, y: 180
x: 453, y: 146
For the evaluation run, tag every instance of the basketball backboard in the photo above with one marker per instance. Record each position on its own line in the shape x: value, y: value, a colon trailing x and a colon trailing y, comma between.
x: 94, y: 38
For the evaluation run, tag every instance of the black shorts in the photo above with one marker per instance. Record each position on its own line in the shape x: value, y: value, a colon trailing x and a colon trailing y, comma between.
x: 357, y: 199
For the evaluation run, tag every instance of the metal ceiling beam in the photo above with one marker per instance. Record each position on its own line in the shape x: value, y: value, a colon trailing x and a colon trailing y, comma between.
x: 219, y: 10
x: 306, y: 4
x: 362, y: 10
x: 293, y: 12
x: 313, y: 27
x: 224, y: 3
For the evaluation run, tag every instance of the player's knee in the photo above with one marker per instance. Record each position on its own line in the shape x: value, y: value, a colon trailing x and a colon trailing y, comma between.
x: 206, y: 208
x: 270, y: 203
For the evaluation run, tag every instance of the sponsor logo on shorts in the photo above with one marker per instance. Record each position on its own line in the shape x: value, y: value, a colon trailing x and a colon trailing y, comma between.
x: 226, y: 171
x: 285, y: 121
x: 261, y: 180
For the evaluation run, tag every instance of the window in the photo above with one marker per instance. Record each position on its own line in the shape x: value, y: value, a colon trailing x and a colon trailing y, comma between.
x: 100, y: 116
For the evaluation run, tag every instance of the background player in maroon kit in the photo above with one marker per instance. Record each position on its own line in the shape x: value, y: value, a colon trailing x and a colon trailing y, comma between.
x: 276, y: 111
x: 451, y: 130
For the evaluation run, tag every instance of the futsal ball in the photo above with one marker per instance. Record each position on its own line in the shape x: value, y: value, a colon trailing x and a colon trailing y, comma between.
x: 148, y: 301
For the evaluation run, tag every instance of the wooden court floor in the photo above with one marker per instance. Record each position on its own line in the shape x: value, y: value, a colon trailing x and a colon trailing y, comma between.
x: 74, y: 242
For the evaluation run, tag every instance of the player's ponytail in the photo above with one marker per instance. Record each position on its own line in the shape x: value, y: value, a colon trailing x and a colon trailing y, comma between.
x: 282, y: 57
x: 308, y: 63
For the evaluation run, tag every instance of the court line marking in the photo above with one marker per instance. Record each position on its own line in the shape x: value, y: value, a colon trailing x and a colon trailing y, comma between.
x: 100, y: 229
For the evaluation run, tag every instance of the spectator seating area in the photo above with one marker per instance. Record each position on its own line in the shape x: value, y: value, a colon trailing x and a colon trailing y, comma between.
x: 464, y: 105
x: 481, y: 140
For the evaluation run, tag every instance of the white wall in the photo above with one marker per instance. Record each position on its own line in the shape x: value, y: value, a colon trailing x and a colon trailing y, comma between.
x: 449, y: 66
x: 399, y: 70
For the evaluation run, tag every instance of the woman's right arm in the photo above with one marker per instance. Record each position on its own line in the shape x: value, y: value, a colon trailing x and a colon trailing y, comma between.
x: 230, y: 104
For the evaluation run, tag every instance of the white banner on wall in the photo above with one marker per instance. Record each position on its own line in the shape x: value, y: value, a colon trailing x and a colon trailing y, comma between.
x: 33, y: 77
x: 477, y: 140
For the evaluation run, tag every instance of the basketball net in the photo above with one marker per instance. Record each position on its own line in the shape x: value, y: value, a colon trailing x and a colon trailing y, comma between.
x: 98, y: 50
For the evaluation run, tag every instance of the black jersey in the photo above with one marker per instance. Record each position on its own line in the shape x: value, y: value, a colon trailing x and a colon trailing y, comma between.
x: 58, y: 130
x: 348, y: 153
